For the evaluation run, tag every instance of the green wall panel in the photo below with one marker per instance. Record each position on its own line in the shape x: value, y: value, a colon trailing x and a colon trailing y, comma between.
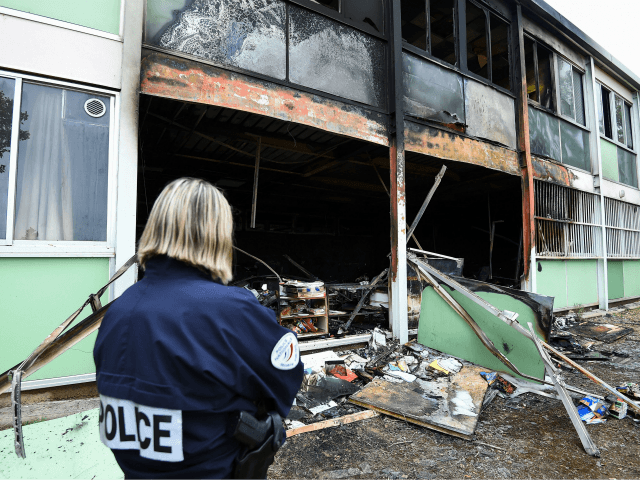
x: 551, y: 280
x: 102, y: 15
x: 631, y: 278
x: 582, y: 282
x: 38, y: 294
x: 615, y: 279
x: 443, y: 329
x: 609, y: 154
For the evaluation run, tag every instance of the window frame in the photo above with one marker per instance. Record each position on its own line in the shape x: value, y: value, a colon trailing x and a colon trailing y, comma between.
x: 487, y: 22
x: 10, y: 247
x: 554, y: 78
x: 556, y: 60
x: 612, y: 119
x: 427, y: 51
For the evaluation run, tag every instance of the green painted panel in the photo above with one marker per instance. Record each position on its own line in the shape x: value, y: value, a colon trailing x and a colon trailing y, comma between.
x: 443, y: 329
x: 102, y: 15
x: 551, y: 280
x: 38, y: 294
x: 609, y: 154
x: 631, y: 278
x: 615, y: 279
x: 582, y: 282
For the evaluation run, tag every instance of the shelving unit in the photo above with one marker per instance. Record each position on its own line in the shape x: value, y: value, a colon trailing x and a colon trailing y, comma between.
x: 302, y: 300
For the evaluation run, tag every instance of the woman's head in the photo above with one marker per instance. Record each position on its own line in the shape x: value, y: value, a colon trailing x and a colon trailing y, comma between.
x: 191, y: 221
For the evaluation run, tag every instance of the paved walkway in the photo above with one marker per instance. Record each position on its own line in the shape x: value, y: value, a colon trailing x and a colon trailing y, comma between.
x: 67, y: 447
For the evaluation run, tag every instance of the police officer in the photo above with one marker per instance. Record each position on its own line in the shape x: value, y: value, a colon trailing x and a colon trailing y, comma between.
x: 180, y: 354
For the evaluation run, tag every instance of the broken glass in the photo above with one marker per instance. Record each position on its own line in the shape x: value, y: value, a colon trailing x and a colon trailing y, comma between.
x: 334, y: 58
x: 500, y: 69
x: 414, y: 23
x: 575, y: 146
x: 477, y: 56
x: 62, y: 169
x: 619, y: 118
x: 7, y: 86
x: 431, y: 91
x: 544, y: 134
x: 248, y: 34
x: 627, y: 170
x: 442, y: 34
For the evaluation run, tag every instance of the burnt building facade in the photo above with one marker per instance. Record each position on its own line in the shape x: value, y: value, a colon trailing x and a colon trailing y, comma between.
x: 326, y: 122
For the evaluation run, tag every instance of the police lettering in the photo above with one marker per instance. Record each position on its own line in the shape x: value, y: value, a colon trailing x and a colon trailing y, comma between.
x: 155, y: 432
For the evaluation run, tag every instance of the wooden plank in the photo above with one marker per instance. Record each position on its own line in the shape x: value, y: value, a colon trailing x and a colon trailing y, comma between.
x: 334, y: 422
x: 410, y: 402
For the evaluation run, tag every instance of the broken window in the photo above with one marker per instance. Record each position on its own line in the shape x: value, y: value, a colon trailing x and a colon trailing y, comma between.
x: 429, y: 26
x: 620, y: 113
x: 571, y: 96
x: 604, y: 111
x: 477, y: 55
x: 62, y: 165
x: 488, y: 45
x: 538, y: 65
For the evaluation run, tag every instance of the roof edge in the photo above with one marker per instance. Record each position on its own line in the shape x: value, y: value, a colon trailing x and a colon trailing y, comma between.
x: 563, y: 25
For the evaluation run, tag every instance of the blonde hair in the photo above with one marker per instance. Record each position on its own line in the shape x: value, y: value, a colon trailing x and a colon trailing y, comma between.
x: 191, y: 221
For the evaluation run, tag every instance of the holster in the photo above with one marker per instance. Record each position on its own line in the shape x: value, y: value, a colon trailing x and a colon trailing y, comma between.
x: 262, y: 440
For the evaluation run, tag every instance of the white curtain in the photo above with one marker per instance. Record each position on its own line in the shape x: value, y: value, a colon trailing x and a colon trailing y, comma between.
x: 45, y: 210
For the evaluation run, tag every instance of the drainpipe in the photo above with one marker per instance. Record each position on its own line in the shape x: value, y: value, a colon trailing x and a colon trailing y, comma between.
x: 596, y: 167
x: 125, y: 240
x: 399, y: 318
x: 524, y: 149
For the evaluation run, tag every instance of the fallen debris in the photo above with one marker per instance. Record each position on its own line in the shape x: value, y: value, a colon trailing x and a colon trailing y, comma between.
x: 334, y: 422
x: 602, y: 332
x: 450, y: 405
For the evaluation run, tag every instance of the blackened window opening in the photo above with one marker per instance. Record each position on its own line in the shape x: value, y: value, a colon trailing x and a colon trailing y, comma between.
x: 500, y: 65
x: 414, y: 23
x: 365, y: 11
x: 442, y: 38
x: 627, y: 117
x: 538, y: 61
x: 605, y: 112
x: 488, y: 45
x: 430, y: 26
x: 477, y: 54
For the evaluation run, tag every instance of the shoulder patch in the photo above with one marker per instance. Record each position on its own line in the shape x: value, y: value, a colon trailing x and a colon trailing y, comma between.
x: 286, y: 353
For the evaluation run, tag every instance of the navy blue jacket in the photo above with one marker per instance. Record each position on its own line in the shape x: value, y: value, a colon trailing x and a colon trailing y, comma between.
x: 178, y: 340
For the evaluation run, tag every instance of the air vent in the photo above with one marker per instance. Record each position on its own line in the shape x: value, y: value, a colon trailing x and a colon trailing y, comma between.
x: 94, y: 107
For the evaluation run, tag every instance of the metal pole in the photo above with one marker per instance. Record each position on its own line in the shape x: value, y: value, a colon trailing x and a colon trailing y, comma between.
x: 423, y: 208
x: 254, y: 202
x: 398, y: 272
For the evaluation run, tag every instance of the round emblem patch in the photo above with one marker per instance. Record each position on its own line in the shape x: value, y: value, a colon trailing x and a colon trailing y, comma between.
x: 286, y: 353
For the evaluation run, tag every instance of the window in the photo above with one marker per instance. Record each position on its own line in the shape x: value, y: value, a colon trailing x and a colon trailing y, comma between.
x: 571, y: 96
x: 61, y: 154
x: 621, y: 115
x: 429, y: 25
x: 360, y: 11
x: 538, y: 61
x: 488, y: 45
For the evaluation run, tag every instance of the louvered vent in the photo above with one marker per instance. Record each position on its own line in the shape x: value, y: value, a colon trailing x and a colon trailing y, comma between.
x: 94, y: 107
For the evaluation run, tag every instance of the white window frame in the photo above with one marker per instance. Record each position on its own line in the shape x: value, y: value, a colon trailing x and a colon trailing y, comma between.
x: 43, y: 248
